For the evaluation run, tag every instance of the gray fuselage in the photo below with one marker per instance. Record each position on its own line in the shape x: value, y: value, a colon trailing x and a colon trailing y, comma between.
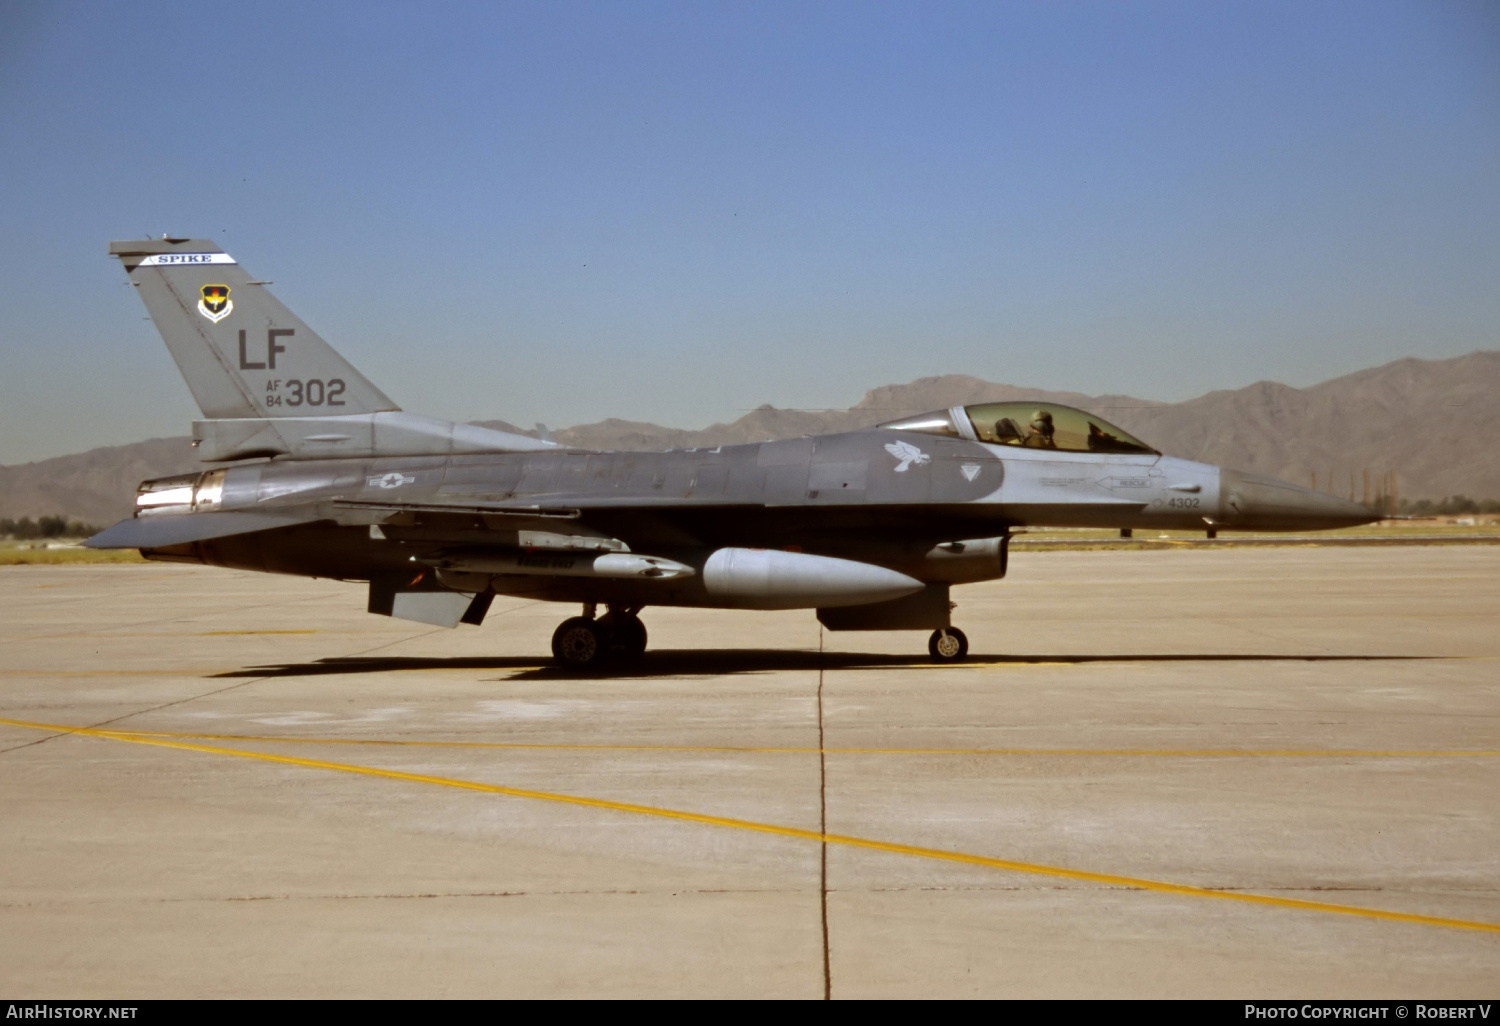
x: 938, y: 511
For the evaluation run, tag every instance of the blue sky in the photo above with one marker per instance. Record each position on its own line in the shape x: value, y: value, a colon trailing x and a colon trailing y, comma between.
x: 678, y: 211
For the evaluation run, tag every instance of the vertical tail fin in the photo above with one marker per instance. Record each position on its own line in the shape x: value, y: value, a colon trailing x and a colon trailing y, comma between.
x: 243, y: 353
x: 267, y: 384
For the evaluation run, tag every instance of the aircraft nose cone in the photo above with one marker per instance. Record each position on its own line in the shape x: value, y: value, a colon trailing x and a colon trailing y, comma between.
x: 1252, y: 502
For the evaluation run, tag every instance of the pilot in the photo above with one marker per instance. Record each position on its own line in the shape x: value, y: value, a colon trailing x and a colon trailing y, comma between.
x: 1007, y: 432
x: 1041, y: 431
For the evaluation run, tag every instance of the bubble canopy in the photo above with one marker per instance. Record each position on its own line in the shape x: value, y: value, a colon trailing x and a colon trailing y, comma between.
x: 1027, y: 425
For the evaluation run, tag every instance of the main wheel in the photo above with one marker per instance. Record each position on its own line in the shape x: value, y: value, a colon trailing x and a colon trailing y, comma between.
x: 627, y: 636
x: 948, y: 645
x: 578, y: 643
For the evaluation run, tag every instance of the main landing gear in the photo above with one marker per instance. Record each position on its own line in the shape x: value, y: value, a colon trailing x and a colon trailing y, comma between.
x: 587, y: 641
x: 590, y: 641
x: 948, y: 645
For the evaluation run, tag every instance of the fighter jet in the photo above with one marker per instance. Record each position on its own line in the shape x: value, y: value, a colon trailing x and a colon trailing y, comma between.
x: 314, y: 471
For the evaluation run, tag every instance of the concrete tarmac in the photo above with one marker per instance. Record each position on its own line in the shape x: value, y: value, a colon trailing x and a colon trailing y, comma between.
x: 1223, y: 773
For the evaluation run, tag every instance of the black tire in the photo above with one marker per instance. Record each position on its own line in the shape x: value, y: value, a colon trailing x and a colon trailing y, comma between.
x: 627, y: 638
x: 948, y: 645
x: 578, y: 643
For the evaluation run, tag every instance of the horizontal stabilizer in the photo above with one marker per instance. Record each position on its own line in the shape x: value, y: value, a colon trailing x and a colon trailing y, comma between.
x: 180, y: 529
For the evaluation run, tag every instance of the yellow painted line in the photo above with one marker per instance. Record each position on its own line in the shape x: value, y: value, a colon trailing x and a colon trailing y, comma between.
x: 1213, y: 753
x: 1033, y: 868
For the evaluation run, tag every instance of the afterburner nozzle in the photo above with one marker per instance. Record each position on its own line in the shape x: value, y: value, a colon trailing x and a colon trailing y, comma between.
x: 1255, y: 503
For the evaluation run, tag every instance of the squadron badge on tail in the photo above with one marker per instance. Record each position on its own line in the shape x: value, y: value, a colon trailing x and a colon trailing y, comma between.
x: 215, y: 304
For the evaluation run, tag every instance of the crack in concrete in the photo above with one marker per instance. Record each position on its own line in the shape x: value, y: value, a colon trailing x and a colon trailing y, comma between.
x: 823, y: 829
x: 683, y: 891
x: 394, y: 896
x: 101, y: 633
x: 206, y: 694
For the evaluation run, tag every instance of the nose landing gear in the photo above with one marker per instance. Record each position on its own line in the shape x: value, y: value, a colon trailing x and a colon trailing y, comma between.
x: 585, y: 641
x: 948, y: 645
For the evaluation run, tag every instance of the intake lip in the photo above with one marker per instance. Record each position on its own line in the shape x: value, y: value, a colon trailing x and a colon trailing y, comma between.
x: 1254, y: 502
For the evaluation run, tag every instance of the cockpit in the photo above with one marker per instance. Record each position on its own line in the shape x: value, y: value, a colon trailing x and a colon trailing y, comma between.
x: 1028, y: 425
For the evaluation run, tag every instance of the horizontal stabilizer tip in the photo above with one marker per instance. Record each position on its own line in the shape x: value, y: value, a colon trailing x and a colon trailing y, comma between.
x: 160, y: 531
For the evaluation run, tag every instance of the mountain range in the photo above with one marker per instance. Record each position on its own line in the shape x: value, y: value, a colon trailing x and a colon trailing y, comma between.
x: 1434, y: 423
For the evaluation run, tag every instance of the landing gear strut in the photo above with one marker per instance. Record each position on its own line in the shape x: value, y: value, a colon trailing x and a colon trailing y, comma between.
x: 587, y: 641
x: 948, y: 645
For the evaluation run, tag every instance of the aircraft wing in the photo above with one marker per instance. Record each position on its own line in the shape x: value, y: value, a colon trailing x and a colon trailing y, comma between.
x: 646, y: 521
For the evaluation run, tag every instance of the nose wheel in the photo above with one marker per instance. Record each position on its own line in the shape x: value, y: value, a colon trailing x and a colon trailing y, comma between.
x: 948, y: 645
x: 582, y: 642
